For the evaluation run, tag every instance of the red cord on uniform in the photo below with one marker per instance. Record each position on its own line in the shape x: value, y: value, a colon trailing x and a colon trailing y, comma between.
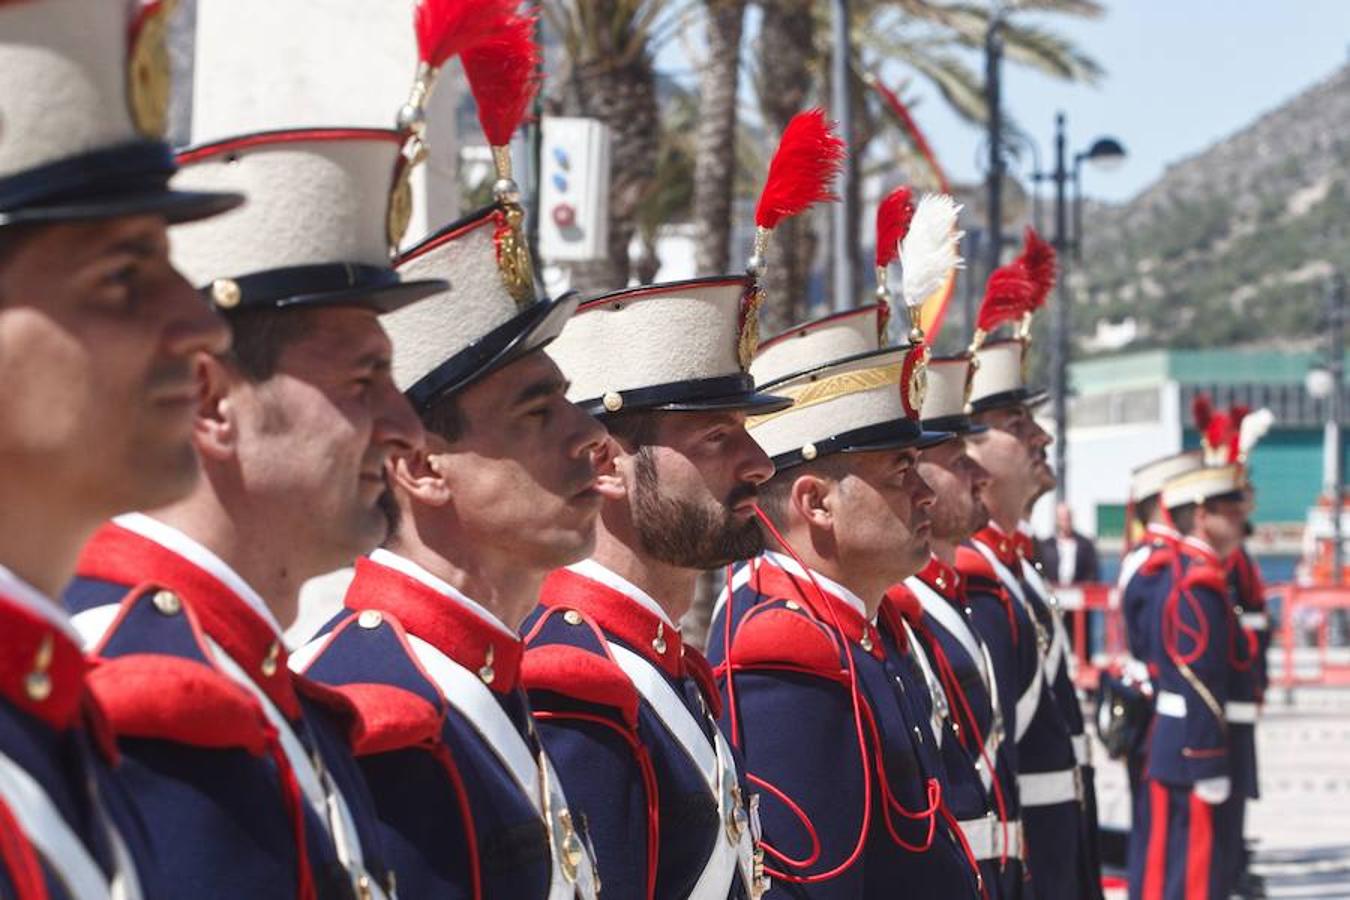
x: 443, y: 756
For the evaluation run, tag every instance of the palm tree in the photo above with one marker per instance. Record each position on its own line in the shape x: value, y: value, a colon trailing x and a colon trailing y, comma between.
x: 715, y: 151
x: 609, y: 47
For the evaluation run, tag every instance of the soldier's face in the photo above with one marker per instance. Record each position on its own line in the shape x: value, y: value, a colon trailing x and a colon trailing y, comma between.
x: 958, y: 483
x: 1012, y: 451
x: 521, y: 475
x: 98, y: 333
x: 313, y: 440
x: 692, y: 492
x: 881, y: 518
x: 1222, y: 523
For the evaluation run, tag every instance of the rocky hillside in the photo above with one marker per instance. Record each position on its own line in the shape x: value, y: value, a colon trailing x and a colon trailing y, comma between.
x: 1232, y: 245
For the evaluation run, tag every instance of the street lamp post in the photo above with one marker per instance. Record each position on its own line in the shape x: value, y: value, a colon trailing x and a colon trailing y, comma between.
x: 841, y: 100
x: 1336, y: 367
x: 1104, y: 153
x: 993, y: 92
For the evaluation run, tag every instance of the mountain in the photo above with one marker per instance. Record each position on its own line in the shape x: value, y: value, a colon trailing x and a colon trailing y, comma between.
x: 1232, y: 245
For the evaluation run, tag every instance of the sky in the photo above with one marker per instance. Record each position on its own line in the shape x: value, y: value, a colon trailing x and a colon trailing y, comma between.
x: 1180, y: 75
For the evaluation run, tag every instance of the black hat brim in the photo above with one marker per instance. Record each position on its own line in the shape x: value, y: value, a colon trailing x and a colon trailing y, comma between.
x: 1008, y: 399
x: 722, y: 393
x: 530, y: 330
x: 177, y: 207
x: 382, y: 300
x: 897, y: 434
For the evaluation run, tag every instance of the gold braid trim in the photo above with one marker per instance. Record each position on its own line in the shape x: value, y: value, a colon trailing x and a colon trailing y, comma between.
x: 832, y: 387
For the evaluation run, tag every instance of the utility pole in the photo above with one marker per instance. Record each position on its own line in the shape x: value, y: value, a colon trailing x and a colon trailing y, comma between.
x: 993, y: 89
x: 1336, y: 367
x: 841, y: 100
x: 1059, y: 341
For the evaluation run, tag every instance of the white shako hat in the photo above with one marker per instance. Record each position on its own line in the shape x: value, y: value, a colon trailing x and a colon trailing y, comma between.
x: 946, y: 400
x: 496, y: 313
x: 687, y: 345
x: 1012, y: 294
x: 869, y: 401
x: 1148, y: 480
x: 835, y: 336
x: 1204, y: 483
x: 84, y: 93
x: 683, y: 346
x: 315, y: 231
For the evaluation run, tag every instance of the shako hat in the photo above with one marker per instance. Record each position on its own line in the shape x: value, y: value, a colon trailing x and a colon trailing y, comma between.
x: 496, y: 313
x: 1148, y: 480
x: 84, y: 93
x: 946, y: 401
x: 687, y: 345
x: 315, y: 229
x: 1013, y: 293
x: 834, y: 336
x: 1204, y: 483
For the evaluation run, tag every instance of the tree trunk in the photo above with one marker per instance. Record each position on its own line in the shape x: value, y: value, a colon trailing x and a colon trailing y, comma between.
x: 787, y: 56
x: 715, y: 155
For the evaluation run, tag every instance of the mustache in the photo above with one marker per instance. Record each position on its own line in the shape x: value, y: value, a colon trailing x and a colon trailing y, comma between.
x: 746, y: 491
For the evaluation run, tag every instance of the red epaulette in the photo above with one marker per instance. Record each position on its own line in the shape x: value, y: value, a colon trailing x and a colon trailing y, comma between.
x: 391, y: 718
x: 163, y: 697
x: 1160, y: 557
x: 1207, y: 575
x: 582, y: 675
x: 972, y: 565
x: 335, y: 702
x: 779, y: 637
x: 699, y: 669
x: 901, y: 599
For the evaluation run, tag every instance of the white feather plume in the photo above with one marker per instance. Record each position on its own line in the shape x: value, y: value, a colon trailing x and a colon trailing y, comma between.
x: 1254, y: 427
x: 929, y: 252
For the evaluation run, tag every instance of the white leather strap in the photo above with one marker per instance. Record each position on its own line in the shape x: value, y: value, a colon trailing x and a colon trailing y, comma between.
x: 1059, y: 642
x: 320, y: 791
x: 1170, y: 704
x: 1049, y: 788
x: 951, y: 621
x: 93, y: 623
x: 467, y: 693
x: 50, y: 835
x: 1255, y: 621
x: 713, y: 760
x: 1082, y: 752
x: 937, y: 697
x: 1240, y: 712
x: 986, y: 837
x: 1030, y: 699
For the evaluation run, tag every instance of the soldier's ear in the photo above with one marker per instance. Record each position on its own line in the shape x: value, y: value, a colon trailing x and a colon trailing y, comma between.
x: 810, y: 499
x: 215, y: 428
x: 609, y: 480
x: 421, y: 475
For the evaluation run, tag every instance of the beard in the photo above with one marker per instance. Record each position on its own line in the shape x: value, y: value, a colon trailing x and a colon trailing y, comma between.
x: 389, y: 509
x: 690, y: 534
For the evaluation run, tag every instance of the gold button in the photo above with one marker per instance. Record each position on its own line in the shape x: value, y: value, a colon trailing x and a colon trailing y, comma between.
x: 572, y: 617
x: 269, y: 663
x: 866, y: 641
x: 226, y: 293
x: 941, y: 582
x: 809, y: 451
x: 38, y: 686
x: 370, y: 618
x: 612, y: 401
x: 659, y: 642
x: 486, y: 673
x: 167, y: 603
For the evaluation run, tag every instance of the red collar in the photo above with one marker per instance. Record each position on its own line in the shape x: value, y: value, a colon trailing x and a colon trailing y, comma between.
x: 124, y: 557
x: 1025, y: 546
x: 1006, y: 547
x: 453, y: 629
x: 1198, y: 551
x: 771, y: 581
x: 620, y: 615
x: 1162, y: 533
x: 943, y: 579
x: 42, y: 671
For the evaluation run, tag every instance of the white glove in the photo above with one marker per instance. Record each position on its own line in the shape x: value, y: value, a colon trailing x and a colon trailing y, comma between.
x: 1213, y: 790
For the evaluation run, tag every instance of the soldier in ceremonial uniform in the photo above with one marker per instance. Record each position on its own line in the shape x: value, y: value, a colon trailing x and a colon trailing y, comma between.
x: 1146, y: 574
x: 1193, y: 768
x: 1012, y: 606
x: 665, y: 368
x: 504, y: 493
x: 245, y: 771
x: 97, y: 336
x: 824, y: 700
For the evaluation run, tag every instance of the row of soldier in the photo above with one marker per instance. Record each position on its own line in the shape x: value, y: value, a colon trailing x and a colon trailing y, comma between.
x: 1182, y: 709
x: 531, y: 488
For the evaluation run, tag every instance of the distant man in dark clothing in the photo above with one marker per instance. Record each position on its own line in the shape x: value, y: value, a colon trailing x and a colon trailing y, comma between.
x: 1068, y: 557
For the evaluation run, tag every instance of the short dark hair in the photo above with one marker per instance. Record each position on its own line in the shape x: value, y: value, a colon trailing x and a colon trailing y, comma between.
x: 1144, y: 509
x: 260, y: 337
x: 445, y: 418
x: 1183, y: 517
x: 636, y: 429
x: 773, y: 494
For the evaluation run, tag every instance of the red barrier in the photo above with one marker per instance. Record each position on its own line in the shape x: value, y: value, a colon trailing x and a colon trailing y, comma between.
x: 1306, y: 612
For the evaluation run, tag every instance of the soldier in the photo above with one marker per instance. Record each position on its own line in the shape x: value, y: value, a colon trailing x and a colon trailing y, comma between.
x: 940, y: 592
x: 1146, y: 573
x: 821, y: 704
x: 470, y: 805
x: 665, y: 367
x: 1013, y: 608
x: 97, y: 336
x: 243, y: 770
x: 1192, y: 771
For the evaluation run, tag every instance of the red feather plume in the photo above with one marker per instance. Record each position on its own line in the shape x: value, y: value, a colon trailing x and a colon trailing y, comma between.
x: 893, y: 217
x: 1007, y: 295
x: 1202, y: 411
x: 808, y: 158
x: 1038, y: 258
x: 446, y: 28
x: 503, y: 75
x: 1236, y: 413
